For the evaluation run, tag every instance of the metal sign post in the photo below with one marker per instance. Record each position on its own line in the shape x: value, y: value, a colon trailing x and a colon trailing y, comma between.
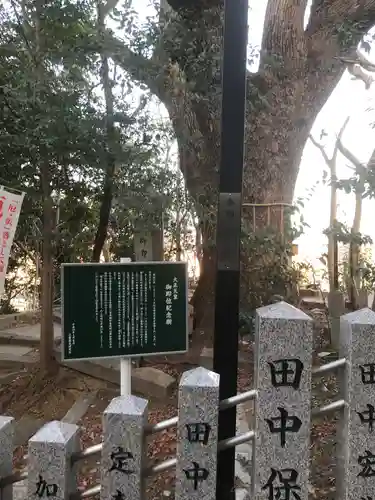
x: 229, y: 228
x: 125, y: 363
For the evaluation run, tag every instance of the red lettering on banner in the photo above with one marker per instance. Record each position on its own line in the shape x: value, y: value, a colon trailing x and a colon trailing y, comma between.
x: 8, y: 223
x: 2, y: 201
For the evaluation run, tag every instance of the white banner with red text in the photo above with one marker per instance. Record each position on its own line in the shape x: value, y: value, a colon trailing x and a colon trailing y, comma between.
x: 10, y: 209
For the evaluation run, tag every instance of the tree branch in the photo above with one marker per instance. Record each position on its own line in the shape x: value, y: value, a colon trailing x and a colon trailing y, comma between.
x: 360, y: 168
x: 334, y: 30
x: 143, y: 70
x: 331, y: 162
x: 334, y: 16
x: 323, y: 152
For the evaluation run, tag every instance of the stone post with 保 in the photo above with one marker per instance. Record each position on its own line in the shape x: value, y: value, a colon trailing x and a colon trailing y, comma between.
x: 6, y: 454
x: 124, y: 453
x: 356, y: 435
x: 197, y: 435
x: 283, y: 365
x: 49, y: 461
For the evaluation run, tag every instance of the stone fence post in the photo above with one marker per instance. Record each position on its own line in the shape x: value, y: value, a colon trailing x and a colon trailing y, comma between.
x: 284, y: 345
x: 356, y: 440
x: 49, y: 462
x: 123, y: 454
x: 6, y: 454
x: 197, y: 435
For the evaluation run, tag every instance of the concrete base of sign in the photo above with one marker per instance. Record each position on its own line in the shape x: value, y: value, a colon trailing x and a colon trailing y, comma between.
x: 147, y: 381
x: 152, y: 382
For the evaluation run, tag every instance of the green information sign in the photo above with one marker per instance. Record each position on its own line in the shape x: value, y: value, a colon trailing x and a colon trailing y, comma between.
x: 123, y: 310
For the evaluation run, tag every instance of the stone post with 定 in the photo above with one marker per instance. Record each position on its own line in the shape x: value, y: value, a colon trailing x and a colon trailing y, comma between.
x: 283, y: 365
x: 6, y: 454
x: 197, y: 435
x: 49, y: 462
x: 356, y: 439
x: 123, y: 453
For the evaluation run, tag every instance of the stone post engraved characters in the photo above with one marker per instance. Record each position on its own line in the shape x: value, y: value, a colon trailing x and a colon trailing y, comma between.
x: 120, y: 461
x: 123, y: 449
x: 368, y: 373
x: 43, y: 489
x: 283, y: 366
x: 118, y: 495
x: 356, y: 450
x: 282, y: 484
x: 197, y: 435
x: 49, y: 469
x: 368, y: 417
x: 196, y: 474
x: 143, y: 246
x: 198, y: 432
x: 286, y: 372
x: 283, y: 424
x: 367, y: 463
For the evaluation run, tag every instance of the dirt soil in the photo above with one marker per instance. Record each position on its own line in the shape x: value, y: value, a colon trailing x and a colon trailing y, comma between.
x: 47, y: 399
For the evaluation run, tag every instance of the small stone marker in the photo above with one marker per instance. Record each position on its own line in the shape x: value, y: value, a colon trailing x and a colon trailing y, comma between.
x: 6, y: 454
x: 49, y: 464
x: 284, y: 344
x: 143, y: 246
x: 356, y: 451
x: 123, y: 449
x: 336, y: 307
x: 197, y: 435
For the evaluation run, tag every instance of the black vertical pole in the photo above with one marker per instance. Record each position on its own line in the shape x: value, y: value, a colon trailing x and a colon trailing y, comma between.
x: 229, y: 228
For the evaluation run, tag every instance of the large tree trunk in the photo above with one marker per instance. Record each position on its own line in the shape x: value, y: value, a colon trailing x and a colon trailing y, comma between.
x: 203, y: 298
x: 107, y: 195
x: 299, y: 69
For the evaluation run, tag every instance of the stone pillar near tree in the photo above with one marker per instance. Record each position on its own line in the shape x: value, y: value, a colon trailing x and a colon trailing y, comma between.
x: 149, y: 243
x: 6, y: 454
x: 49, y: 461
x: 336, y: 308
x: 356, y: 443
x: 148, y: 247
x: 124, y: 453
x: 284, y: 345
x: 197, y: 435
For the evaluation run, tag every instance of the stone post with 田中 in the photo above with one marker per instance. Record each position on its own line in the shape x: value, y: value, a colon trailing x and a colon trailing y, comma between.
x: 197, y: 435
x: 356, y: 438
x: 283, y: 365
